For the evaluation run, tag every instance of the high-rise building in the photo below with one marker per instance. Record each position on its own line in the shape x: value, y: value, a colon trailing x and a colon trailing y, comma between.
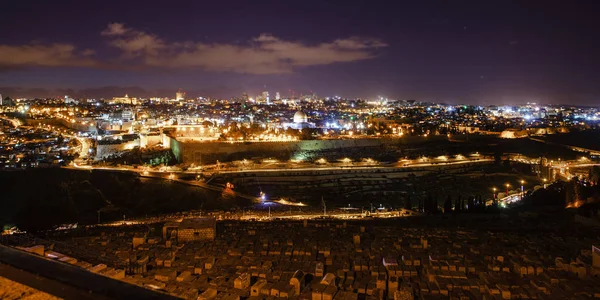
x: 180, y: 96
x: 265, y: 96
x: 69, y: 100
x: 277, y: 96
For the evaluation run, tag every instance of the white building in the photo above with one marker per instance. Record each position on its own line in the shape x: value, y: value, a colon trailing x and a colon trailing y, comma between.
x: 300, y: 121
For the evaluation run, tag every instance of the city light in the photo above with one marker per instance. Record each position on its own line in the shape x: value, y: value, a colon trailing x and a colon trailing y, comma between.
x: 137, y: 154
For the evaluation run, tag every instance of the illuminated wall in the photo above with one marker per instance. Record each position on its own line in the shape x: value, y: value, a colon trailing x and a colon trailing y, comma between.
x: 208, y: 152
x: 103, y: 151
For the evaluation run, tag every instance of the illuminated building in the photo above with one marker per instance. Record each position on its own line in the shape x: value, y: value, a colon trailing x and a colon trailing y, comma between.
x: 300, y: 117
x: 300, y: 121
x: 264, y: 98
x: 180, y: 96
x: 127, y: 114
x: 124, y: 100
x: 69, y: 100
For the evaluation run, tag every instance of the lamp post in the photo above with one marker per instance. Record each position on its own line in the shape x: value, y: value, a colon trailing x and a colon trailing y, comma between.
x: 495, y: 196
x: 545, y: 184
x: 522, y: 190
x: 507, y: 186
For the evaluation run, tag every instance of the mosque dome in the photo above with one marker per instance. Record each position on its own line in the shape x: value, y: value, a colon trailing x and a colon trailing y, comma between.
x: 300, y: 117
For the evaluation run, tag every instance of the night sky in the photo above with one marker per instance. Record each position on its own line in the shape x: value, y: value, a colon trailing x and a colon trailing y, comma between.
x: 486, y: 52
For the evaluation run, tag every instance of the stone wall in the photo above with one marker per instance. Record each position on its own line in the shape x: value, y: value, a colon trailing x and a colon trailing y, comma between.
x: 150, y: 140
x: 61, y: 122
x: 209, y: 152
x: 103, y: 151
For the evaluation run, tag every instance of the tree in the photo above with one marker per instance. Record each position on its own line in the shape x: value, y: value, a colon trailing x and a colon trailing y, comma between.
x: 457, y: 204
x: 427, y: 205
x: 471, y: 203
x: 594, y: 175
x: 431, y: 204
x: 407, y: 203
x: 307, y: 134
x: 448, y: 205
x: 577, y: 188
x: 569, y: 193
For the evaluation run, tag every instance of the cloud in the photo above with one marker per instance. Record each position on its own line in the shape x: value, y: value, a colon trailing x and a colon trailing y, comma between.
x: 114, y: 29
x: 355, y: 43
x: 53, y: 55
x: 264, y: 54
x: 132, y: 42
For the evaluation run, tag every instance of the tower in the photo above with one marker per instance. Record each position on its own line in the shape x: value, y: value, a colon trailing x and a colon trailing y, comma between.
x: 180, y: 95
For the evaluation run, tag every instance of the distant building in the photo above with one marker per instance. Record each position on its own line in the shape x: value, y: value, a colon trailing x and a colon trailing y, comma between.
x: 6, y: 101
x: 124, y: 100
x: 264, y: 98
x: 189, y: 230
x: 204, y: 131
x: 180, y: 96
x: 277, y: 96
x: 127, y: 115
x: 300, y: 117
x: 69, y: 100
x: 300, y: 121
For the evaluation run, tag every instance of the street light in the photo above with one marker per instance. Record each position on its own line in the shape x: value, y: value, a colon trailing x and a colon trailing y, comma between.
x: 545, y: 184
x: 522, y: 190
x: 507, y: 186
x: 495, y: 197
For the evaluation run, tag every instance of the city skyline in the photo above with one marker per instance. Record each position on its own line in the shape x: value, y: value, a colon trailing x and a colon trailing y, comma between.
x: 506, y: 53
x: 299, y: 150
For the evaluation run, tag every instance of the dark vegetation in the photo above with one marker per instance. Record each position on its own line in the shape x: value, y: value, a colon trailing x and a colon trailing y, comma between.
x: 38, y: 199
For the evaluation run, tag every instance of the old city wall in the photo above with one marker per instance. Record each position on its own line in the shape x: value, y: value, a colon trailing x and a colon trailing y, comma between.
x: 106, y: 150
x: 61, y: 122
x: 208, y: 152
x: 150, y: 140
